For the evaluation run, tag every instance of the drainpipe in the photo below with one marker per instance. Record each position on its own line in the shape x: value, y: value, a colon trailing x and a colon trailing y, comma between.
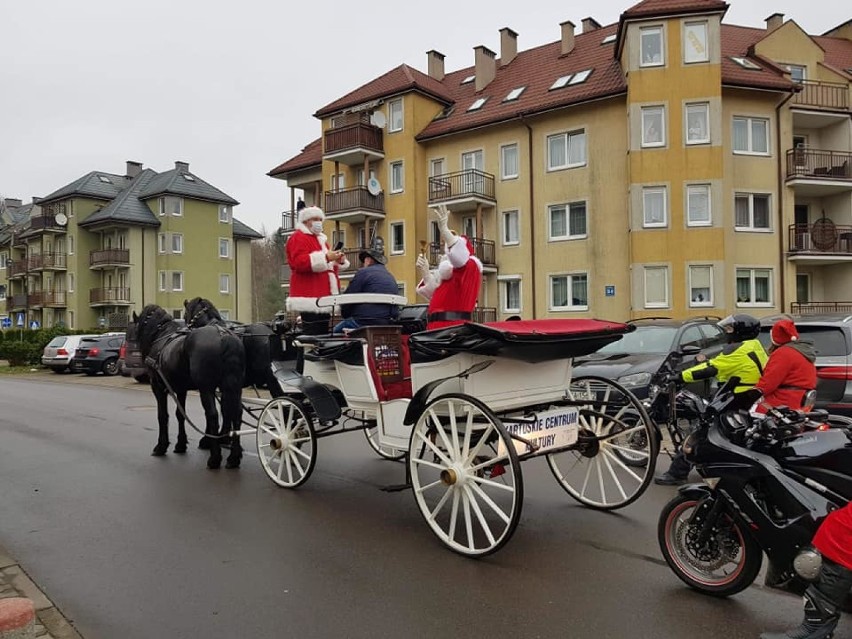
x: 782, y: 281
x: 532, y: 213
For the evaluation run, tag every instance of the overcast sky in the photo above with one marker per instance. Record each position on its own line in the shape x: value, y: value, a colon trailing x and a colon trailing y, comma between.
x: 230, y: 87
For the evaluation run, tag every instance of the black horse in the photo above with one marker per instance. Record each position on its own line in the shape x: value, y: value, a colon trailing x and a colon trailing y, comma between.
x: 205, y: 360
x: 262, y: 344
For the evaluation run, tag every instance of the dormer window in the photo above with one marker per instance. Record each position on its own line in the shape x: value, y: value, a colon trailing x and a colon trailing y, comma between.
x: 468, y: 79
x: 514, y: 94
x: 745, y: 63
x: 560, y: 82
x: 798, y: 73
x: 104, y: 179
x: 580, y: 77
x: 478, y: 104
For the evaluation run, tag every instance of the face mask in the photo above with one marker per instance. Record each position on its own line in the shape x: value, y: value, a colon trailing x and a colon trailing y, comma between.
x: 316, y: 227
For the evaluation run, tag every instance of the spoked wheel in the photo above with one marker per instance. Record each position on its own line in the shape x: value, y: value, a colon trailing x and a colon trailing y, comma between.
x: 721, y: 565
x: 466, y: 475
x: 616, y: 453
x: 386, y: 452
x: 286, y: 442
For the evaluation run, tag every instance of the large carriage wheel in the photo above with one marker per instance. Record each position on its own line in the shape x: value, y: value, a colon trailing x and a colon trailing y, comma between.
x: 465, y: 474
x: 386, y: 452
x: 614, y: 460
x: 286, y: 442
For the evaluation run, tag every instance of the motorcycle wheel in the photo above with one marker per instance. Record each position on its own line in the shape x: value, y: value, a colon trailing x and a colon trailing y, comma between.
x: 727, y: 564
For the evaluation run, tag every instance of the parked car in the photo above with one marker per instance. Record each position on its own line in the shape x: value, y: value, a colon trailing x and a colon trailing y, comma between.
x: 632, y: 360
x: 97, y: 354
x: 831, y: 335
x: 59, y: 352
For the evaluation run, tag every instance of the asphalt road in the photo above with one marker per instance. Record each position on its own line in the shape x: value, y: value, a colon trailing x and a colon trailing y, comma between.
x: 131, y: 546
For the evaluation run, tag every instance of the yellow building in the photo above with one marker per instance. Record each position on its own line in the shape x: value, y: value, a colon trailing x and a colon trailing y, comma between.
x: 669, y: 164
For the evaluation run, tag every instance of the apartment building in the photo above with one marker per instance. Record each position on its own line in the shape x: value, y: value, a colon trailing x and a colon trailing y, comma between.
x: 106, y: 244
x: 669, y: 164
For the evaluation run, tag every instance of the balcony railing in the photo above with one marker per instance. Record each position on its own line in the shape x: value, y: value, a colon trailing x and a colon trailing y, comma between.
x: 109, y: 257
x: 826, y: 95
x: 483, y: 249
x: 46, y: 298
x: 43, y: 222
x: 823, y: 236
x: 15, y: 302
x: 817, y: 164
x: 461, y: 184
x: 289, y: 219
x: 112, y: 295
x: 49, y: 261
x: 17, y: 267
x: 352, y: 256
x: 484, y: 314
x: 356, y: 199
x: 359, y: 135
x: 812, y: 308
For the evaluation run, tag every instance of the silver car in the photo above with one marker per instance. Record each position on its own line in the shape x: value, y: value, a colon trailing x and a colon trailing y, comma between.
x: 57, y: 355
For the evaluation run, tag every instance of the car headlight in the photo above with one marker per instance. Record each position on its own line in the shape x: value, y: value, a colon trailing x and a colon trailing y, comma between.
x: 635, y: 380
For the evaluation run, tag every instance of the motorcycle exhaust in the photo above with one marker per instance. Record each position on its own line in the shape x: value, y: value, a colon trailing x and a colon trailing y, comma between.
x: 808, y: 564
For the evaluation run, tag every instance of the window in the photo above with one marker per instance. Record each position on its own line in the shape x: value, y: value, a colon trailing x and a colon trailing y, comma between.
x: 224, y: 247
x: 751, y: 211
x: 177, y: 243
x: 177, y: 280
x: 188, y: 177
x: 397, y: 230
x: 698, y: 123
x: 224, y: 283
x: 338, y: 237
x: 509, y: 161
x: 71, y: 319
x: 656, y: 287
x: 105, y: 179
x: 2, y: 291
x: 468, y: 79
x: 161, y: 243
x: 609, y: 38
x: 569, y: 292
x: 436, y: 167
x: 654, y: 207
x: 698, y: 205
x: 514, y: 94
x: 745, y: 63
x: 651, y: 43
x: 4, y: 258
x: 798, y: 73
x: 397, y: 177
x: 395, y: 115
x: 338, y: 182
x: 695, y: 42
x: 754, y: 287
x: 580, y: 77
x: 400, y: 289
x: 477, y: 104
x: 560, y: 82
x: 224, y: 214
x: 566, y: 150
x: 71, y: 282
x: 567, y: 221
x: 178, y: 313
x: 751, y: 135
x: 359, y: 174
x: 653, y: 123
x: 511, y: 229
x: 171, y: 205
x: 161, y: 277
x: 701, y: 285
x: 510, y: 295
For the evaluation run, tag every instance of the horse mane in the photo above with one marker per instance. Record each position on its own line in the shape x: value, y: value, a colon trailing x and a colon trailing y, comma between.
x: 149, y: 322
x: 197, y: 307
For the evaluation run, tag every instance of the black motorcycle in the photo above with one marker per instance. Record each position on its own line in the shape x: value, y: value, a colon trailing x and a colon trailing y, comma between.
x: 768, y: 483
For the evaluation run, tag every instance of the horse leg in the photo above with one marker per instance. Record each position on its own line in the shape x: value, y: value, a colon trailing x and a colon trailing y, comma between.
x: 180, y: 446
x: 211, y: 416
x: 162, y: 419
x: 232, y: 416
x: 205, y: 442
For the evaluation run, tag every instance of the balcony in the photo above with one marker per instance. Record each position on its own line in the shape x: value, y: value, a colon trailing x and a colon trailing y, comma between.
x: 50, y: 299
x: 289, y: 219
x: 17, y: 268
x: 354, y: 264
x: 353, y: 143
x: 16, y: 302
x: 823, y: 95
x: 814, y: 308
x: 816, y: 173
x: 46, y: 223
x: 482, y: 314
x: 463, y: 190
x: 115, y: 296
x: 354, y: 205
x: 48, y: 262
x: 821, y: 243
x: 483, y: 249
x: 107, y: 258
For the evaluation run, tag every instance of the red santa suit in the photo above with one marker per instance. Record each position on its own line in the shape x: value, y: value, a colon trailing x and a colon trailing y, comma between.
x: 453, y: 288
x: 790, y: 372
x: 834, y: 537
x: 312, y: 276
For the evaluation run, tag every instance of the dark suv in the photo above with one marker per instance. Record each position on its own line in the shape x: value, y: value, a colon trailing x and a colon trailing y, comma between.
x: 97, y: 355
x: 831, y: 335
x: 632, y: 360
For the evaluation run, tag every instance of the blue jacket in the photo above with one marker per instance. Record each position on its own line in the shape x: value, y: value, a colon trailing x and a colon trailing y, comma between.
x: 371, y: 279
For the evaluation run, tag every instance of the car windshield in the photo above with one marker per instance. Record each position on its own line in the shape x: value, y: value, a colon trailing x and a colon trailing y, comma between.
x: 645, y: 339
x: 57, y: 341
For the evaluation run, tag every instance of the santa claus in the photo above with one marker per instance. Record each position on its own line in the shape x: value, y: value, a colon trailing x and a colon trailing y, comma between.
x: 452, y: 288
x: 314, y: 271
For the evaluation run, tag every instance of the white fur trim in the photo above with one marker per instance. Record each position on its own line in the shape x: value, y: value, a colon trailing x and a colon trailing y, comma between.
x: 310, y: 212
x: 307, y: 305
x: 318, y: 263
x: 445, y: 270
x: 458, y: 254
x: 332, y: 280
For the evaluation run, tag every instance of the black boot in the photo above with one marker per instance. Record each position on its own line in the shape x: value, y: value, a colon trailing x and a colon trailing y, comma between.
x: 822, y: 604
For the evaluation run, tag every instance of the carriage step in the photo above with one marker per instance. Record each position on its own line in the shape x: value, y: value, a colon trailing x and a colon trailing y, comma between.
x: 395, y: 488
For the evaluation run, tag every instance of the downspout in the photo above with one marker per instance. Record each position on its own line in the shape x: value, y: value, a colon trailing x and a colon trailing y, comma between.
x: 782, y: 280
x: 237, y: 280
x: 532, y: 213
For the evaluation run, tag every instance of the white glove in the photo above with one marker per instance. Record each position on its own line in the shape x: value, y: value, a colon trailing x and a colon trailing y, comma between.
x: 422, y: 265
x: 443, y: 215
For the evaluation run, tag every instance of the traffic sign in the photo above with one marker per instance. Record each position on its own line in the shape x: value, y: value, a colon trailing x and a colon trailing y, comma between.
x: 6, y: 322
x: 35, y: 325
x: 20, y: 322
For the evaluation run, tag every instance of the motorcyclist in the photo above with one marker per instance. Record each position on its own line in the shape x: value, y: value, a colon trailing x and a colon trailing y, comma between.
x: 742, y: 357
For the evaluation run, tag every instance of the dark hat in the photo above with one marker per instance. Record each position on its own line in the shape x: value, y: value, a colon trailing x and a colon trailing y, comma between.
x: 375, y: 254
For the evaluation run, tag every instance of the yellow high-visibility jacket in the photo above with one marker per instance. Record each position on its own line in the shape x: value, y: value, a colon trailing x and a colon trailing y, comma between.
x: 737, y: 359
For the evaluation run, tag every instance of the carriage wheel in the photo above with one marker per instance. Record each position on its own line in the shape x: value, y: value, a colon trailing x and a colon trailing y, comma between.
x: 386, y: 452
x: 286, y: 442
x: 465, y: 474
x: 614, y: 460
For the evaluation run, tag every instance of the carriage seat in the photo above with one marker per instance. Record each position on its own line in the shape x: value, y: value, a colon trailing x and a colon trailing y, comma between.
x: 389, y: 361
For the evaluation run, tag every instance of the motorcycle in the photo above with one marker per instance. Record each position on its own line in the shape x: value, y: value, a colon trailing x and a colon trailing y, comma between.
x: 769, y: 481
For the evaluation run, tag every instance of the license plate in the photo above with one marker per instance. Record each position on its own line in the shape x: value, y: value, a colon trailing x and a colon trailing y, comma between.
x: 552, y: 429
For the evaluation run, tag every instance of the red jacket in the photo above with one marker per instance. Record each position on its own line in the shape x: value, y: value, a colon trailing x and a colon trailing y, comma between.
x: 834, y: 537
x: 789, y: 374
x: 311, y: 275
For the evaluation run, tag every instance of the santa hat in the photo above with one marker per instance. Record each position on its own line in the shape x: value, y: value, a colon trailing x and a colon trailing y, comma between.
x: 309, y: 213
x: 784, y: 331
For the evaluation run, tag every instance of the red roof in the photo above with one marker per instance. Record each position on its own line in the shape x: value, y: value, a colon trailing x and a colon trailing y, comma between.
x: 838, y: 52
x: 736, y: 42
x: 667, y: 7
x: 310, y: 156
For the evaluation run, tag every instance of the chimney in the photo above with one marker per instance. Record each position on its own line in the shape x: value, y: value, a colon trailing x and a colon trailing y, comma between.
x: 13, y: 203
x: 774, y: 21
x: 508, y: 46
x: 133, y: 169
x: 436, y: 65
x: 567, y: 37
x: 485, y: 66
x: 590, y: 24
x: 182, y: 166
x: 36, y: 199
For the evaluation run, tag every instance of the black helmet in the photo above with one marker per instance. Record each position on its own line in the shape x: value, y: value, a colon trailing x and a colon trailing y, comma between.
x: 740, y: 327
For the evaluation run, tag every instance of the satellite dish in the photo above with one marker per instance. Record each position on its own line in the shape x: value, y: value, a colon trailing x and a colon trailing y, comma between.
x: 61, y: 219
x: 373, y: 186
x: 378, y: 119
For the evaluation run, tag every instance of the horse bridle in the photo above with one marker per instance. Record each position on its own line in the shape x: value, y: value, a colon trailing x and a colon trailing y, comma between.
x: 204, y: 308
